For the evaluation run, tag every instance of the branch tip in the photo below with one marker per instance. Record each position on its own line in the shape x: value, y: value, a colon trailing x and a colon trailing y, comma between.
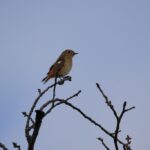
x: 24, y: 114
x: 39, y: 91
x: 103, y: 143
x: 3, y: 146
x: 15, y: 145
x: 124, y: 104
x: 98, y: 86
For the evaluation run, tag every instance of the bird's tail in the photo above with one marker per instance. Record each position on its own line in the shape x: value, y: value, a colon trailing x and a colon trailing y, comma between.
x: 44, y: 80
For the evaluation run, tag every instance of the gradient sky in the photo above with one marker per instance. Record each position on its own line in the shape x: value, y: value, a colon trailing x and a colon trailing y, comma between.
x: 113, y: 42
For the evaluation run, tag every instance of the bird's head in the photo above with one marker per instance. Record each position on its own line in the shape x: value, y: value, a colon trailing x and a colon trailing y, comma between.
x: 69, y: 53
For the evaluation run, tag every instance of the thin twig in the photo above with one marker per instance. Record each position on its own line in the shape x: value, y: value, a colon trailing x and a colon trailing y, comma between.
x: 124, y: 110
x: 118, y: 125
x: 61, y: 101
x: 56, y: 102
x: 127, y: 146
x: 15, y: 145
x: 52, y: 107
x: 128, y: 109
x: 3, y: 146
x: 103, y: 143
x: 50, y: 101
x: 88, y: 118
x: 26, y: 115
x: 41, y: 93
x: 75, y: 95
x: 108, y: 102
x: 118, y: 117
x: 54, y: 90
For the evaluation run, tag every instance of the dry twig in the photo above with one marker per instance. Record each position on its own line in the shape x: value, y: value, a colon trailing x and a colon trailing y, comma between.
x: 118, y: 118
x: 103, y: 143
x: 2, y: 146
x: 15, y: 145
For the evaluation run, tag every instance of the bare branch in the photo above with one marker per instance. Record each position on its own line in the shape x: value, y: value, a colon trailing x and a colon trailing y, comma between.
x: 107, y: 101
x: 118, y: 117
x: 40, y: 114
x: 85, y: 116
x: 119, y: 121
x: 103, y: 143
x: 75, y: 95
x: 51, y: 101
x: 41, y: 93
x: 15, y: 145
x: 3, y: 146
x: 26, y: 115
x: 128, y: 109
x: 127, y: 146
x: 38, y: 121
x: 54, y: 90
x: 61, y: 101
x: 53, y: 106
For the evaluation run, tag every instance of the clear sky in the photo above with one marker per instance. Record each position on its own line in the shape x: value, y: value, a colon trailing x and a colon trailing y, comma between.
x: 113, y: 42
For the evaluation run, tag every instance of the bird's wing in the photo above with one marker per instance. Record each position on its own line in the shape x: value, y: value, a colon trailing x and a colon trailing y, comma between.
x: 55, y: 68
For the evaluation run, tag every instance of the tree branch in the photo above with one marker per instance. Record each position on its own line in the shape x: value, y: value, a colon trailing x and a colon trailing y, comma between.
x: 26, y: 115
x: 103, y: 143
x: 54, y: 90
x: 118, y: 118
x: 3, y: 146
x: 15, y: 145
x: 107, y: 101
x: 38, y: 121
x: 56, y: 100
x: 41, y: 93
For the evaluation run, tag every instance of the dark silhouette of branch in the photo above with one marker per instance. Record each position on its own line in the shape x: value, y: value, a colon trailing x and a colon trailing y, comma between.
x: 127, y: 145
x: 41, y: 93
x: 54, y: 90
x: 56, y: 100
x: 128, y: 109
x: 118, y: 119
x: 38, y: 121
x: 33, y: 126
x: 26, y: 115
x: 62, y: 101
x: 15, y: 145
x: 2, y: 146
x: 107, y: 101
x: 53, y: 106
x: 113, y: 135
x: 103, y: 143
x: 86, y: 116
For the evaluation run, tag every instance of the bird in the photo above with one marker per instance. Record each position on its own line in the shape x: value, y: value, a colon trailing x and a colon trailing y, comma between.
x: 62, y: 66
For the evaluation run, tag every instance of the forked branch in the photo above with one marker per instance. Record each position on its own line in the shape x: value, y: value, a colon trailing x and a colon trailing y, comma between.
x: 118, y: 119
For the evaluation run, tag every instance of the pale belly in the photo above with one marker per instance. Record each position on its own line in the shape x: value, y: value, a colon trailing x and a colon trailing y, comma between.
x: 67, y: 68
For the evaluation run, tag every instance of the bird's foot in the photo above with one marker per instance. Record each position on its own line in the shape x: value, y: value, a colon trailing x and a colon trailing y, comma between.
x: 63, y: 79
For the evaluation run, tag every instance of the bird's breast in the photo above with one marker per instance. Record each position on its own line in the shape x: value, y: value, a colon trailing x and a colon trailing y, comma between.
x: 67, y: 67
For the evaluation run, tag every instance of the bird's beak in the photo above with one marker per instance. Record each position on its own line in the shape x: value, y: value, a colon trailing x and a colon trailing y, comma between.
x: 75, y: 53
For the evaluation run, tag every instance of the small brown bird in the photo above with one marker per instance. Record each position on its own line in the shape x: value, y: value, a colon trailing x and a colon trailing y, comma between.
x: 62, y: 66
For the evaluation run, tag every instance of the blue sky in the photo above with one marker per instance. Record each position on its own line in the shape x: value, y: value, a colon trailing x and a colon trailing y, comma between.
x: 112, y: 39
